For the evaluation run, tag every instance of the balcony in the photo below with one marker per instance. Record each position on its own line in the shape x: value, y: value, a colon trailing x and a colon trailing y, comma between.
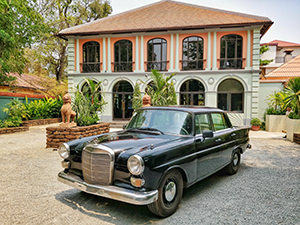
x: 231, y: 63
x: 90, y: 67
x: 192, y: 64
x: 157, y: 65
x: 122, y: 66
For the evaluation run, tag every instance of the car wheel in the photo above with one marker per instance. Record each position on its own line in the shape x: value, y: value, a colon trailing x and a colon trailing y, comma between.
x: 234, y: 165
x: 169, y: 195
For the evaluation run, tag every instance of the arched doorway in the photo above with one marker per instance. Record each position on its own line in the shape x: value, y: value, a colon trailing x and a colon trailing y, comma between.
x: 122, y: 100
x: 192, y: 93
x: 231, y: 95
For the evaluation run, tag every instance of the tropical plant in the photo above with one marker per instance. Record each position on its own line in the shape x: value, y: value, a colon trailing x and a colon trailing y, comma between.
x: 255, y: 122
x: 16, y: 109
x: 262, y: 50
x: 292, y: 91
x: 137, y: 101
x: 162, y: 92
x: 88, y: 102
x: 44, y: 108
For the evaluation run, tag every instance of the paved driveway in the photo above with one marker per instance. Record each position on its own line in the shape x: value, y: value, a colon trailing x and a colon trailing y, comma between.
x: 266, y: 190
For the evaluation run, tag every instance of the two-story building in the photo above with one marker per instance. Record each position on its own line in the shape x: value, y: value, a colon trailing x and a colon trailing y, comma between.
x: 214, y: 53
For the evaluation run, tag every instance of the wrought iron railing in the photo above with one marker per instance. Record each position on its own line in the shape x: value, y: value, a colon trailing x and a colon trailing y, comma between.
x: 192, y: 64
x: 157, y: 65
x: 123, y: 66
x: 231, y: 63
x: 90, y: 67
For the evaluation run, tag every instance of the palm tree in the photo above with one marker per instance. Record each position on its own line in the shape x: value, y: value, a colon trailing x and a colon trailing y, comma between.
x: 292, y: 91
x: 162, y: 91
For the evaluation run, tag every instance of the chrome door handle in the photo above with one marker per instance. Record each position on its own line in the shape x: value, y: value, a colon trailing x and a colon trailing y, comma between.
x: 233, y: 134
x: 218, y: 140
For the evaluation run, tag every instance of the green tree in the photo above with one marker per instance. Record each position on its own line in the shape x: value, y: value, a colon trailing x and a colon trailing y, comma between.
x: 137, y: 101
x: 162, y: 92
x: 262, y: 50
x: 292, y: 91
x: 20, y: 26
x: 59, y: 15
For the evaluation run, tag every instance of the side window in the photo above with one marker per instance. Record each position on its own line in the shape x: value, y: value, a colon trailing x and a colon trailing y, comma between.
x: 219, y: 121
x: 202, y: 123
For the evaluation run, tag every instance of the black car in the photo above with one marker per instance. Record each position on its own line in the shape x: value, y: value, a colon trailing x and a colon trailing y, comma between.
x: 160, y: 152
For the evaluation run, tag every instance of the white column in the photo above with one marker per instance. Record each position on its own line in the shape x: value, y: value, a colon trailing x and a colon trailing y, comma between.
x: 142, y: 54
x: 208, y: 59
x: 177, y: 54
x: 214, y: 64
x: 77, y: 56
x: 104, y: 55
x: 136, y: 54
x: 171, y: 69
x: 108, y: 56
x: 248, y: 60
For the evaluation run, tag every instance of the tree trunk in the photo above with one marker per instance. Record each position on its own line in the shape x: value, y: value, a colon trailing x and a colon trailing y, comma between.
x: 62, y: 63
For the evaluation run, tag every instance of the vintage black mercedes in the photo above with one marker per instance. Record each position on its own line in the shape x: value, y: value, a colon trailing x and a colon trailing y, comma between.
x: 160, y: 152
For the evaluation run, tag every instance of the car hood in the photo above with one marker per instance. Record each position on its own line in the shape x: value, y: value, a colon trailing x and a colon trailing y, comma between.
x: 126, y: 140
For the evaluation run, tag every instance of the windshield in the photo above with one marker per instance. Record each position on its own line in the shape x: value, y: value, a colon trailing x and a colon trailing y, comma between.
x: 164, y: 121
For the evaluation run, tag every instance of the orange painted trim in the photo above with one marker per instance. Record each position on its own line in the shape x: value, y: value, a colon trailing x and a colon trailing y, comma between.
x: 251, y: 62
x: 11, y: 94
x: 82, y: 42
x: 112, y: 48
x: 148, y: 38
x: 243, y: 34
x: 204, y: 36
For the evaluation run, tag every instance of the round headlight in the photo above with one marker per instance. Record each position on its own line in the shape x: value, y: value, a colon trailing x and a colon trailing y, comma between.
x: 135, y: 165
x: 64, y: 150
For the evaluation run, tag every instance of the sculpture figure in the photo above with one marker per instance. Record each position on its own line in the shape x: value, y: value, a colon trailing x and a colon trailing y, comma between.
x: 67, y: 114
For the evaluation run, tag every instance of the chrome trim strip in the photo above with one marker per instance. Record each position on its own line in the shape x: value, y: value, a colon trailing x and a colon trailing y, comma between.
x: 109, y: 191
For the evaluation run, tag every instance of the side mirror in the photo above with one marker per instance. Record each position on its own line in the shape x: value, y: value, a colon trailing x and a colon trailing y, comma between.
x: 124, y: 126
x: 207, y: 134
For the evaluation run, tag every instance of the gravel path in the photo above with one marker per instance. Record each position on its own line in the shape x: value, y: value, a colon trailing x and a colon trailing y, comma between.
x: 266, y: 190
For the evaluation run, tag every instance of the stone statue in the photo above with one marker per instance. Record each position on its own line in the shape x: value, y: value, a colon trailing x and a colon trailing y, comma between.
x: 146, y: 100
x: 67, y: 114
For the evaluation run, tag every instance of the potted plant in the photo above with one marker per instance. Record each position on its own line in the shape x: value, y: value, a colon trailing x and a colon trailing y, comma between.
x: 255, y: 124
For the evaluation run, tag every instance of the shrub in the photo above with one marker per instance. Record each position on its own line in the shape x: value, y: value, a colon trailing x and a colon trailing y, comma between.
x: 16, y: 109
x: 137, y: 101
x: 273, y: 111
x: 255, y: 122
x: 294, y: 115
x: 88, y: 103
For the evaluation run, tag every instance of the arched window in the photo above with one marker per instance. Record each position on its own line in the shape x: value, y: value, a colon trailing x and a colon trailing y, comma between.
x: 91, y: 57
x: 192, y: 53
x: 192, y: 93
x: 157, y: 54
x: 123, y: 56
x: 122, y: 99
x: 231, y: 52
x: 231, y: 95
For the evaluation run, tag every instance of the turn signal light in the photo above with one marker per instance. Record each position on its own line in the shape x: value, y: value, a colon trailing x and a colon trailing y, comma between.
x: 137, y: 182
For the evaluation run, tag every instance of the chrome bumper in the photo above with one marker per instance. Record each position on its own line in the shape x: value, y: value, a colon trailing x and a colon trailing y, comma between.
x: 109, y: 191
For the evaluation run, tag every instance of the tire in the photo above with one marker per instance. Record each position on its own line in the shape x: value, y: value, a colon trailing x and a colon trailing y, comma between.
x: 169, y: 195
x: 234, y: 165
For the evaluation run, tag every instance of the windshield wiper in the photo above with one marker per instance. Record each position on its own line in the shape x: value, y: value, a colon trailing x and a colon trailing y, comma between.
x: 150, y: 129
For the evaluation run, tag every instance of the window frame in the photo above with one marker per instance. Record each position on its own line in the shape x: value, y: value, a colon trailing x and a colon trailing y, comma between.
x: 118, y: 64
x: 209, y: 120
x: 198, y: 53
x: 90, y: 66
x: 162, y: 64
x: 226, y: 120
x: 238, y: 61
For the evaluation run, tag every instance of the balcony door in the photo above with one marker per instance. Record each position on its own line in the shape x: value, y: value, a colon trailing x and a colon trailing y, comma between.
x: 123, y: 56
x: 91, y: 57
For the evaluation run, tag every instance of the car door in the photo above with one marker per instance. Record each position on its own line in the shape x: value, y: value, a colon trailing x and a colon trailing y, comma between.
x: 222, y: 135
x: 206, y: 148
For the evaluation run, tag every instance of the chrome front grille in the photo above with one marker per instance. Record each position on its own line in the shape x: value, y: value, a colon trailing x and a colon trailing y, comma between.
x: 97, y: 165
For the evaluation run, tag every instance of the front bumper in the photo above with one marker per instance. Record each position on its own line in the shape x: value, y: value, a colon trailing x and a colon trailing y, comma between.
x: 109, y: 191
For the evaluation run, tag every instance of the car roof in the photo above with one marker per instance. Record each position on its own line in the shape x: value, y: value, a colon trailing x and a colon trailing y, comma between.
x: 192, y: 109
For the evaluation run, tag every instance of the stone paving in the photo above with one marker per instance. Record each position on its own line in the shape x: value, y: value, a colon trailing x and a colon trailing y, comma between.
x: 264, y: 191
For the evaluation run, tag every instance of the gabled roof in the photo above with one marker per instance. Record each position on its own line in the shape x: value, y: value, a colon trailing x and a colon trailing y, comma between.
x: 282, y: 44
x: 167, y: 15
x: 288, y: 70
x: 28, y: 81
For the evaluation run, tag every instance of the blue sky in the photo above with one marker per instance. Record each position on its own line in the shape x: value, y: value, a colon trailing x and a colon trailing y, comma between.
x: 284, y: 13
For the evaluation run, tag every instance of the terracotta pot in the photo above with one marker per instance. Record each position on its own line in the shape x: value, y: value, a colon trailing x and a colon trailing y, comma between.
x: 255, y: 128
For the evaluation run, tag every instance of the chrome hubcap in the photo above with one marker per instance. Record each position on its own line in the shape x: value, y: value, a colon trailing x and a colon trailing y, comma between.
x: 170, y: 191
x: 235, y: 159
